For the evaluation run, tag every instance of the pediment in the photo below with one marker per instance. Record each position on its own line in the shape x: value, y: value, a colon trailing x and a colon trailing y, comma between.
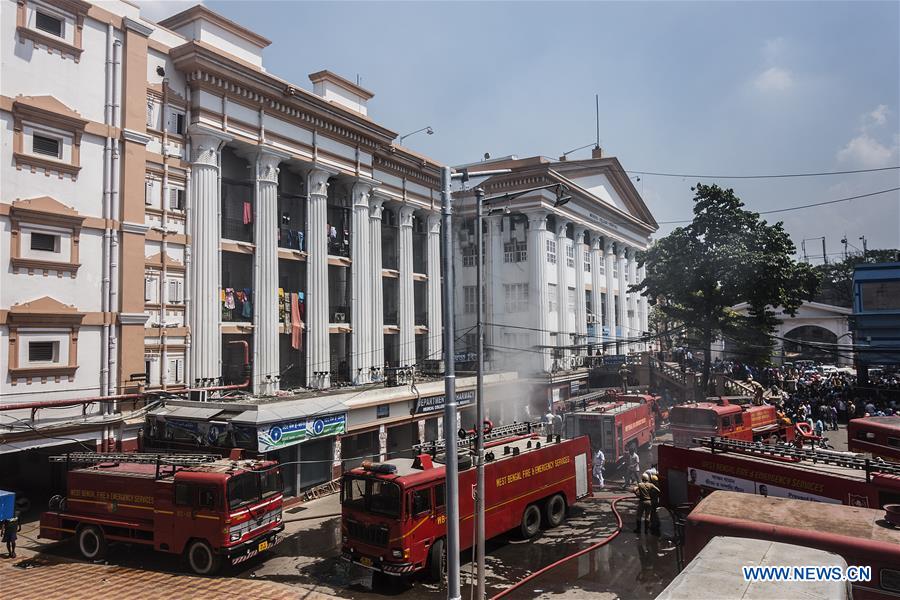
x: 44, y: 311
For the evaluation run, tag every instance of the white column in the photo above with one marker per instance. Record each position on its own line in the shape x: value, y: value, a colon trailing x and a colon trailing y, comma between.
x: 361, y: 285
x: 318, y: 355
x: 377, y: 323
x: 562, y: 291
x: 642, y: 303
x: 610, y: 293
x: 205, y: 276
x: 265, y: 273
x: 537, y: 258
x: 434, y: 347
x: 580, y: 305
x: 407, y: 297
x: 597, y: 282
x: 622, y: 316
x: 634, y: 322
x: 494, y: 268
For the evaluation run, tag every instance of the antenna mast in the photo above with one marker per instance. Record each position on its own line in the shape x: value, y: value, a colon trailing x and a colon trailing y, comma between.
x: 597, y: 101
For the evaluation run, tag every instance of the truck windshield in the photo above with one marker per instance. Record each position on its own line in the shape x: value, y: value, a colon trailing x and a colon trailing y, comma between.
x: 692, y: 417
x: 253, y: 486
x: 372, y: 495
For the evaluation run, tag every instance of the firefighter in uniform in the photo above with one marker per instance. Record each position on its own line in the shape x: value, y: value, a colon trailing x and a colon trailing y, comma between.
x: 648, y: 500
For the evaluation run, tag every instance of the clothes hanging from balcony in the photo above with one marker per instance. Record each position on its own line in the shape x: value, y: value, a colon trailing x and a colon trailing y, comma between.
x: 248, y: 213
x: 247, y: 308
x: 296, y: 329
x: 228, y: 298
x: 284, y: 313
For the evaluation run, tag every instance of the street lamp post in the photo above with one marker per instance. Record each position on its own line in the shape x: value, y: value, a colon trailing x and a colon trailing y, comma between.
x: 427, y: 130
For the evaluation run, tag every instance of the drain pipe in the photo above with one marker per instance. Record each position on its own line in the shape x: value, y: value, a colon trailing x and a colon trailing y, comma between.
x: 114, y: 214
x: 163, y: 246
x: 186, y: 290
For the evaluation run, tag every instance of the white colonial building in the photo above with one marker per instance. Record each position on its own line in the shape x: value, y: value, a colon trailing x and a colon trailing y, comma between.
x: 556, y: 273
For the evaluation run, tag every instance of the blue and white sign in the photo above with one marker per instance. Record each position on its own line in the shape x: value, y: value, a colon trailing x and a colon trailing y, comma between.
x: 288, y: 433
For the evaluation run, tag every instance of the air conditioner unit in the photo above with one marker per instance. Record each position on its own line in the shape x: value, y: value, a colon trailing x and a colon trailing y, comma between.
x: 433, y: 367
x: 340, y: 317
x: 199, y: 395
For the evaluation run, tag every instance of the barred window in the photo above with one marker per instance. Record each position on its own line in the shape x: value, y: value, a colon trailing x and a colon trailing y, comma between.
x: 514, y: 252
x: 587, y: 262
x: 551, y: 252
x: 470, y: 298
x: 516, y: 296
x: 468, y: 256
x: 570, y: 256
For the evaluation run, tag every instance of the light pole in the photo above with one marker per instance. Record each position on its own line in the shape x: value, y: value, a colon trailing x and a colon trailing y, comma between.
x: 427, y: 130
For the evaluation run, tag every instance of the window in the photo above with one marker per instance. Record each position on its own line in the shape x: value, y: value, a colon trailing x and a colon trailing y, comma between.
x: 602, y: 267
x: 148, y: 193
x: 150, y: 122
x: 51, y: 25
x: 726, y: 422
x: 879, y: 295
x: 739, y: 420
x: 420, y: 502
x: 516, y: 296
x: 176, y: 370
x: 551, y: 252
x: 176, y: 295
x: 182, y: 494
x: 470, y: 298
x: 48, y: 146
x: 148, y: 367
x: 43, y: 351
x: 570, y: 256
x: 514, y: 252
x: 615, y: 268
x: 570, y: 299
x: 176, y: 199
x: 207, y: 498
x: 468, y: 256
x: 587, y: 262
x: 44, y: 242
x: 440, y: 495
x: 382, y: 411
x: 150, y: 290
x: 890, y: 580
x: 551, y: 296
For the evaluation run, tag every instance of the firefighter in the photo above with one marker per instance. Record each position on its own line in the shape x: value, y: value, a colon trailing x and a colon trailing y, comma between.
x: 648, y: 501
x: 599, y: 459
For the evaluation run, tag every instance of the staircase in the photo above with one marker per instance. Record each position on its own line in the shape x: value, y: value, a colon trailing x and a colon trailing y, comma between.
x: 684, y: 385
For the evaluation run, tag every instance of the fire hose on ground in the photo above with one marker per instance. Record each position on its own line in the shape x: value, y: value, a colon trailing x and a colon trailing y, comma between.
x: 566, y: 559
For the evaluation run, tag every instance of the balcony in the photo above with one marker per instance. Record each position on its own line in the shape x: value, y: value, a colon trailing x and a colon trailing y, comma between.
x: 237, y: 210
x: 338, y: 231
x: 237, y: 305
x: 236, y: 229
x: 390, y: 257
x: 391, y: 318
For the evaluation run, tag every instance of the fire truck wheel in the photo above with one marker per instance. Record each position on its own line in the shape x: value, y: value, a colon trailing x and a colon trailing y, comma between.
x: 91, y: 542
x: 531, y: 522
x: 555, y: 511
x: 202, y: 559
x: 437, y: 561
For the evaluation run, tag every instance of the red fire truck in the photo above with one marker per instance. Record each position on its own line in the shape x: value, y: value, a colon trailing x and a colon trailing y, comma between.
x: 784, y: 471
x: 615, y: 426
x: 725, y: 417
x: 862, y: 536
x: 394, y: 519
x: 879, y: 436
x: 202, y: 506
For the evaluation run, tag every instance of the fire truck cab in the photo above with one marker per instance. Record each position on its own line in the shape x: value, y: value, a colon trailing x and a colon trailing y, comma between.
x: 202, y: 506
x: 879, y: 436
x: 394, y: 517
x: 727, y: 417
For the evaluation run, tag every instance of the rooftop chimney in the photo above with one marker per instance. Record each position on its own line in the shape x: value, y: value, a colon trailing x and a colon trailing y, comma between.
x: 338, y: 90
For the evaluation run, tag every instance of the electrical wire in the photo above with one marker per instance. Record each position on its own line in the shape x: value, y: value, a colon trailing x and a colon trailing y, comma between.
x: 791, y: 208
x: 763, y: 176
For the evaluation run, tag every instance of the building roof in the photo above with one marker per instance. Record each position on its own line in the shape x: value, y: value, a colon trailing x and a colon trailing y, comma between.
x: 199, y: 11
x: 326, y: 75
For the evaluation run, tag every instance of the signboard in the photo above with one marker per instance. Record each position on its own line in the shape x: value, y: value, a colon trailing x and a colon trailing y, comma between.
x: 736, y: 484
x: 433, y: 404
x: 574, y: 386
x: 618, y: 359
x: 288, y: 433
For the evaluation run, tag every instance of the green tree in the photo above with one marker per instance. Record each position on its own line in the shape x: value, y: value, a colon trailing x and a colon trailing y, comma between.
x: 727, y: 255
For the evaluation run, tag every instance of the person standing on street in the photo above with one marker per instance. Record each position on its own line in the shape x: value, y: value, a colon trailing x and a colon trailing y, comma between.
x: 648, y: 498
x: 632, y: 467
x: 10, y: 534
x: 599, y: 459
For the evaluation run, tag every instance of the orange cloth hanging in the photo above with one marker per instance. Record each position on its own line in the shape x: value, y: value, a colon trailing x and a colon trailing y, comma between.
x: 296, y: 332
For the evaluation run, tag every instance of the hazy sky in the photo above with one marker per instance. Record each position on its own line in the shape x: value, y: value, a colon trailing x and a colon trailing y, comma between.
x: 700, y: 88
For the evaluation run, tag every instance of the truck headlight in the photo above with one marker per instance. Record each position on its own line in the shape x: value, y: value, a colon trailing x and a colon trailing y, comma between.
x: 235, y: 537
x: 396, y: 553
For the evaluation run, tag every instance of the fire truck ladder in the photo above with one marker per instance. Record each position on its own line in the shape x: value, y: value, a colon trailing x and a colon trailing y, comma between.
x: 717, y: 444
x: 496, y: 433
x: 160, y: 460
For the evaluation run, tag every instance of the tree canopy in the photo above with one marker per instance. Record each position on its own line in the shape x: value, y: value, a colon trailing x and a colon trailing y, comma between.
x: 837, y: 276
x: 727, y: 255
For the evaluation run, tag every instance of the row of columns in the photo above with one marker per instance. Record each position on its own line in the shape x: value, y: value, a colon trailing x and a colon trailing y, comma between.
x: 367, y: 299
x: 606, y: 257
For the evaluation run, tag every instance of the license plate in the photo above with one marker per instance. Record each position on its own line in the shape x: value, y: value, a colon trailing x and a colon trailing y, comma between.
x: 263, y: 546
x: 365, y: 561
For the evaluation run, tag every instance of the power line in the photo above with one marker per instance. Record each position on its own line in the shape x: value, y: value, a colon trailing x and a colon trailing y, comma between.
x: 766, y: 176
x: 781, y: 210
